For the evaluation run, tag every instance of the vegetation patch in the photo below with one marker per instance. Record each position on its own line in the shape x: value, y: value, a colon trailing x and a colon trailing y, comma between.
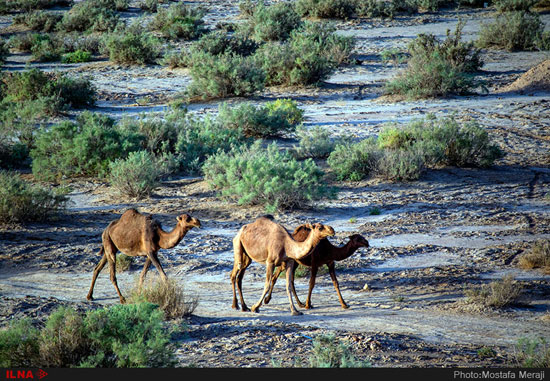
x: 327, y: 352
x: 21, y: 201
x: 497, y: 294
x: 438, y: 68
x: 131, y: 46
x: 537, y: 258
x: 341, y: 9
x: 253, y: 175
x: 135, y: 176
x: 179, y: 21
x: 533, y: 353
x: 90, y: 16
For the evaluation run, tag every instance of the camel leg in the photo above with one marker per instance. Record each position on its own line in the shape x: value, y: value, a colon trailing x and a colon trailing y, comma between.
x: 152, y: 256
x: 314, y: 269
x: 335, y: 283
x: 144, y: 271
x: 268, y: 275
x: 290, y: 286
x: 273, y: 281
x: 240, y: 277
x: 97, y: 270
x: 112, y: 268
x: 302, y: 305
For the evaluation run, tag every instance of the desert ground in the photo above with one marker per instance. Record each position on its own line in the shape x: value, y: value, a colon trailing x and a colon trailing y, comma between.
x: 430, y: 240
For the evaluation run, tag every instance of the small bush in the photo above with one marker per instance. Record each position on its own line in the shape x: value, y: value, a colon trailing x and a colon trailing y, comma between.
x: 21, y: 201
x: 149, y: 5
x: 135, y: 176
x: 341, y: 9
x: 315, y: 143
x: 532, y: 353
x: 84, y: 148
x: 123, y: 262
x: 19, y: 344
x: 44, y: 49
x: 354, y: 161
x: 401, y: 165
x: 38, y: 20
x: 438, y: 68
x: 311, y: 54
x: 63, y: 341
x: 224, y: 75
x: 168, y: 296
x: 538, y: 257
x: 375, y: 8
x: 179, y: 21
x: 220, y: 42
x: 131, y: 46
x: 77, y: 57
x: 57, y: 90
x: 274, y: 119
x: 512, y: 31
x: 497, y: 294
x: 256, y: 176
x: 328, y: 353
x: 274, y: 22
x: 90, y: 15
x: 514, y: 5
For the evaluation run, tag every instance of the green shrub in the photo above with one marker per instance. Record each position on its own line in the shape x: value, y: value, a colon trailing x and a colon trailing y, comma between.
x: 169, y: 296
x: 514, y: 5
x: 131, y: 46
x: 149, y: 5
x: 274, y: 22
x: 532, y: 353
x: 63, y: 341
x: 7, y: 6
x: 438, y: 68
x: 257, y: 176
x: 84, y: 148
x: 56, y: 91
x: 375, y: 8
x: 498, y: 294
x: 77, y: 57
x: 19, y: 344
x: 328, y: 353
x: 315, y: 143
x: 342, y: 9
x: 354, y: 161
x: 89, y: 15
x: 224, y: 75
x: 401, y: 165
x: 309, y: 56
x: 44, y: 49
x: 38, y: 20
x: 159, y: 135
x: 135, y: 176
x: 513, y: 31
x: 21, y: 201
x: 274, y: 119
x: 220, y: 42
x: 198, y: 139
x: 179, y: 21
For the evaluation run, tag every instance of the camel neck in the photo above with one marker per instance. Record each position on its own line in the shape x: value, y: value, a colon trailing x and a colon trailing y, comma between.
x: 304, y: 247
x: 168, y: 240
x: 343, y: 252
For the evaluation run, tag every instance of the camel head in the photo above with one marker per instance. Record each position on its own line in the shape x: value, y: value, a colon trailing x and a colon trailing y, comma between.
x: 186, y: 221
x: 323, y: 230
x: 358, y: 240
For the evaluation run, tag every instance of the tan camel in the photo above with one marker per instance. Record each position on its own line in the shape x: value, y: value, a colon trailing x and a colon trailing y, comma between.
x: 265, y: 241
x: 325, y: 253
x: 136, y: 234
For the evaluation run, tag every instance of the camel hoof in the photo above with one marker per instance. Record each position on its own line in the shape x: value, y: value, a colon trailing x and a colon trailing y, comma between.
x: 89, y: 297
x: 308, y: 306
x: 345, y: 306
x: 122, y: 300
x: 296, y: 313
x: 245, y: 309
x: 255, y: 309
x: 266, y: 300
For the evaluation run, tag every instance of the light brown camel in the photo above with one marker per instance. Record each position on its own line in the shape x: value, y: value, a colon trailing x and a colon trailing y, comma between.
x: 136, y: 234
x: 265, y: 241
x: 325, y: 253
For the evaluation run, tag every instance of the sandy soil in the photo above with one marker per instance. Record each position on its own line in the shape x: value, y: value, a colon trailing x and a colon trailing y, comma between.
x: 430, y: 240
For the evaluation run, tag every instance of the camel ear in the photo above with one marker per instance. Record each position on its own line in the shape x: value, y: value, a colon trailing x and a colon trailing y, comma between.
x: 178, y: 218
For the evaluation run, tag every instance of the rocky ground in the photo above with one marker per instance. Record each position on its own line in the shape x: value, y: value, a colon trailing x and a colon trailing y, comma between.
x: 430, y: 240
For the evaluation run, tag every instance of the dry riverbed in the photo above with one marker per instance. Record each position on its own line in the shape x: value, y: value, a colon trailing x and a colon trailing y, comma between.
x: 430, y: 240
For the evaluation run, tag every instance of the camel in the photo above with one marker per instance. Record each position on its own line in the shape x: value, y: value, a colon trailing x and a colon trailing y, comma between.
x: 266, y: 241
x: 325, y: 253
x: 135, y: 234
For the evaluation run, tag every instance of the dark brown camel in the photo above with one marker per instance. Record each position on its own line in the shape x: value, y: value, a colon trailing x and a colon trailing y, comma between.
x: 265, y: 241
x: 325, y: 253
x: 136, y: 234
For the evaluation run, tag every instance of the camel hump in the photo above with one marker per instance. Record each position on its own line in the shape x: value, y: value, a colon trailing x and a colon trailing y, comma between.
x: 301, y: 233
